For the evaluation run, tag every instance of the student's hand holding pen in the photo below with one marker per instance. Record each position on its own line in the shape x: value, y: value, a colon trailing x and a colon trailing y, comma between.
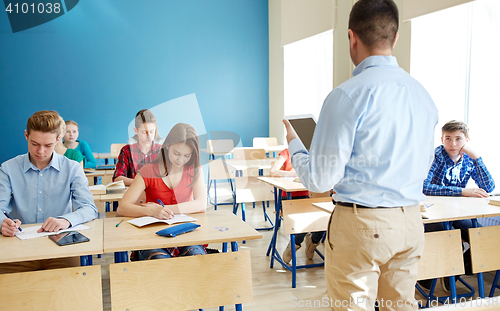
x: 158, y: 211
x: 10, y: 227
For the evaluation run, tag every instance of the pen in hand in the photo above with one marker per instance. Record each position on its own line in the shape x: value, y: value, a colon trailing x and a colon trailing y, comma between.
x: 7, y: 215
x: 161, y: 203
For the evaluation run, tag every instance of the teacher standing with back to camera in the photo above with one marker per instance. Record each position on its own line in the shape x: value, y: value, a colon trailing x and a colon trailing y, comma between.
x: 374, y: 144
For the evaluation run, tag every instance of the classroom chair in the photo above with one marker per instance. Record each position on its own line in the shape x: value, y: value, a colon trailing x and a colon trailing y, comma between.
x: 116, y: 148
x: 218, y: 170
x: 251, y: 189
x: 485, y: 255
x: 249, y: 154
x: 219, y: 147
x: 261, y: 142
x: 300, y: 216
x: 182, y: 283
x: 244, y: 154
x: 442, y: 257
x: 77, y: 288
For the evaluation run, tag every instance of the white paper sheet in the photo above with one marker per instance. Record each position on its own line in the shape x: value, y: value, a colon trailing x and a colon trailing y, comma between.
x: 147, y: 220
x: 31, y: 232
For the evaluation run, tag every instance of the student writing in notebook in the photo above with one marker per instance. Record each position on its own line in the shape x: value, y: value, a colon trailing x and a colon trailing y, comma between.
x: 283, y: 168
x: 71, y: 142
x: 42, y: 186
x: 133, y: 157
x: 176, y: 179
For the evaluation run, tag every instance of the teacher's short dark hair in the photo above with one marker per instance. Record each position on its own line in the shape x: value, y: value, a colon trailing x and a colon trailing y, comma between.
x: 375, y: 22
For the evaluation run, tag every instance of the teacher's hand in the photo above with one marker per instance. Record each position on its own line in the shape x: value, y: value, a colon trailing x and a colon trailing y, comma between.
x: 290, y: 132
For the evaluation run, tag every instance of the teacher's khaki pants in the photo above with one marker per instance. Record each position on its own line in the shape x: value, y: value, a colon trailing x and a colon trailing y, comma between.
x: 372, y: 254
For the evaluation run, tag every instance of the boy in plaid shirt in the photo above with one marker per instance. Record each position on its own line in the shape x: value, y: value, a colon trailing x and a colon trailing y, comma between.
x: 455, y: 163
x: 453, y: 166
x: 134, y: 156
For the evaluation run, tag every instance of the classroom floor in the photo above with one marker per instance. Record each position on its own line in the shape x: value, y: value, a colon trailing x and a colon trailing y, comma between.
x: 272, y: 288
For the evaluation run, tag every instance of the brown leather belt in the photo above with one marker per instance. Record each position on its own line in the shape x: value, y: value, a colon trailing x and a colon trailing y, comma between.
x: 358, y: 205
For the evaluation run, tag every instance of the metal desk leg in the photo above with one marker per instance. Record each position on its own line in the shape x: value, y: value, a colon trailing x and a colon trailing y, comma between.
x: 276, y: 211
x: 276, y: 228
x: 480, y: 278
x: 294, y: 261
x: 121, y: 257
x: 86, y: 260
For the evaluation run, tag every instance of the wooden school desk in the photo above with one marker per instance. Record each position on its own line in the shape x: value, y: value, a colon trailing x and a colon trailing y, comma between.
x: 446, y: 209
x: 101, y: 199
x: 271, y: 150
x: 14, y: 249
x: 280, y: 185
x: 297, y: 218
x: 106, y: 177
x: 77, y: 287
x: 241, y: 165
x: 216, y: 227
x: 106, y: 156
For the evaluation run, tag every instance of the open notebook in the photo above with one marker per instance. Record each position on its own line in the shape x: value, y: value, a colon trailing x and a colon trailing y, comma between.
x: 103, y: 189
x: 147, y: 220
x: 31, y: 232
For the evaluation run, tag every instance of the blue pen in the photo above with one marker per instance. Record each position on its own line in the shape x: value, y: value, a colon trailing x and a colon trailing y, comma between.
x: 7, y: 215
x: 161, y: 203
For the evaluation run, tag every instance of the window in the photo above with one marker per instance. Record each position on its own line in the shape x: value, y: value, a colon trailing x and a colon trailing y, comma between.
x: 453, y: 55
x: 308, y: 70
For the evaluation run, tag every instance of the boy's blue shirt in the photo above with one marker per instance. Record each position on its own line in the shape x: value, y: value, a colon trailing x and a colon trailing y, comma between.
x: 32, y: 195
x: 447, y: 178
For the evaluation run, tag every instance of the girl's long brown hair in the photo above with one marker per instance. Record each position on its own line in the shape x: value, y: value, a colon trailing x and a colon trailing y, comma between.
x: 181, y: 133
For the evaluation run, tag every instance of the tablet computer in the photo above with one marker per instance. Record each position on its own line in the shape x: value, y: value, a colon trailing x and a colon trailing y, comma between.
x: 68, y: 238
x: 304, y: 126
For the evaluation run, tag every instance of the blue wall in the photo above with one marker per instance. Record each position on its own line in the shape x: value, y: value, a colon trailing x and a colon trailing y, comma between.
x: 106, y: 59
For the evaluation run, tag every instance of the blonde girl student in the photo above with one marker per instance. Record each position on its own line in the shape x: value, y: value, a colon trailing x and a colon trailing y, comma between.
x: 175, y: 179
x: 71, y: 142
x: 134, y: 156
x: 71, y: 154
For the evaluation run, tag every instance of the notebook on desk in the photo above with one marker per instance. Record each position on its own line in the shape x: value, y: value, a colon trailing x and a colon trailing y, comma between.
x: 304, y: 126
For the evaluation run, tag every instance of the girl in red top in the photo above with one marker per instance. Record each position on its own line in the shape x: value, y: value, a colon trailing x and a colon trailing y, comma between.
x: 175, y: 178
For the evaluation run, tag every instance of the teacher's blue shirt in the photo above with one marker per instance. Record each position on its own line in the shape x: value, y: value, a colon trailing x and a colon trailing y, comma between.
x: 33, y: 195
x: 374, y: 139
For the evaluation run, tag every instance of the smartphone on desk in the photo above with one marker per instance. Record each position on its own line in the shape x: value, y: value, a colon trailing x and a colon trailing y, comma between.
x: 68, y: 238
